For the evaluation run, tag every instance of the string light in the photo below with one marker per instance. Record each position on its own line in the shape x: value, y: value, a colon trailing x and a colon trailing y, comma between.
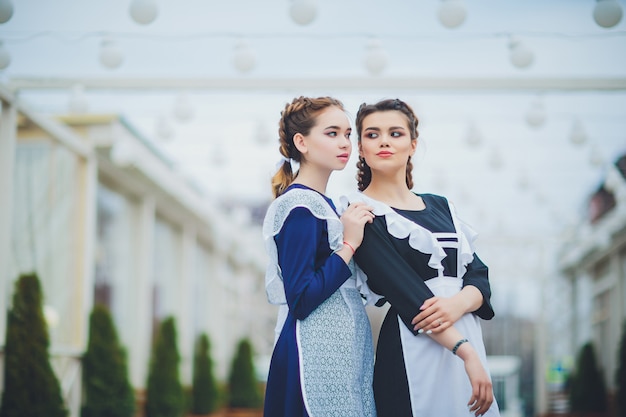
x: 376, y: 57
x: 607, y: 13
x: 143, y: 12
x: 452, y: 13
x: 6, y: 10
x: 303, y: 12
x: 111, y: 55
x: 521, y: 56
x: 244, y: 59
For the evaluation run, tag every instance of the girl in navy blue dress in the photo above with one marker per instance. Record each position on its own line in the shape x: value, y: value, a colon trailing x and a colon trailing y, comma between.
x: 322, y: 363
x: 418, y: 255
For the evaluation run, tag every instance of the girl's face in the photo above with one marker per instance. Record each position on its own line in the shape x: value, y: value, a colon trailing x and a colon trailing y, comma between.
x: 328, y: 143
x: 386, y: 142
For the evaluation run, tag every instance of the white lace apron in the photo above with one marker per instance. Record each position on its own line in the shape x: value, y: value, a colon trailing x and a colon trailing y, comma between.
x: 335, y: 340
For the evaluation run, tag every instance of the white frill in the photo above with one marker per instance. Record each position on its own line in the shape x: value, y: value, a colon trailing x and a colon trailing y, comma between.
x: 419, y: 238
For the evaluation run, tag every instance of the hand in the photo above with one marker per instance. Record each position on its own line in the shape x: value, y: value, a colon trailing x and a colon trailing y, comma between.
x: 437, y: 314
x: 482, y: 389
x: 353, y: 220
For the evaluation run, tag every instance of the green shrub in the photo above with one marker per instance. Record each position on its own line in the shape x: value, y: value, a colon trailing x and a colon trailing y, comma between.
x: 107, y: 390
x: 31, y: 389
x: 588, y: 390
x: 164, y: 391
x: 204, y: 392
x: 243, y: 387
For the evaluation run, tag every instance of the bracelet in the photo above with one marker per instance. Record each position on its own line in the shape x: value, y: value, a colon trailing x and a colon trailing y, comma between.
x: 350, y: 246
x: 458, y: 344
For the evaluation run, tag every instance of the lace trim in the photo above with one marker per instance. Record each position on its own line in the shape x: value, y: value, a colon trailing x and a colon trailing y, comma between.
x: 420, y: 238
x: 274, y: 220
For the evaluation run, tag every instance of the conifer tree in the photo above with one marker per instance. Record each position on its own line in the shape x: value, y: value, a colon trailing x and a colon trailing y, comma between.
x: 204, y: 393
x: 620, y: 375
x: 243, y: 388
x: 588, y: 390
x: 107, y: 389
x: 164, y: 391
x: 31, y: 389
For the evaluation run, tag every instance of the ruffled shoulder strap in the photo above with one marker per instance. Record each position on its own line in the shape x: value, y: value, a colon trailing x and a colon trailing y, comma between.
x: 400, y: 227
x: 274, y: 220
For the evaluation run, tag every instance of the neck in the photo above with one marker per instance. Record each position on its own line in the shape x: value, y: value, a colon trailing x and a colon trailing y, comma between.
x: 389, y: 190
x: 313, y: 178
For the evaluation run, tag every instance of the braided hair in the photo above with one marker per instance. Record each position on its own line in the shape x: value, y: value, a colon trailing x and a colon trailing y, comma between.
x: 299, y: 116
x: 364, y: 172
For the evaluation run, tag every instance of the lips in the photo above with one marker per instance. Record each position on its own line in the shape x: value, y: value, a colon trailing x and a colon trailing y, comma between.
x: 384, y: 154
x: 344, y: 156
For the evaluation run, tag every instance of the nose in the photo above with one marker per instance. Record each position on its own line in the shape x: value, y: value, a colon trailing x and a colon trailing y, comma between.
x: 384, y: 140
x: 345, y: 143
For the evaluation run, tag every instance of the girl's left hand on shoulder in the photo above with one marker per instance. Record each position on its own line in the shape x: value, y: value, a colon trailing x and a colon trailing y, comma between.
x: 437, y: 314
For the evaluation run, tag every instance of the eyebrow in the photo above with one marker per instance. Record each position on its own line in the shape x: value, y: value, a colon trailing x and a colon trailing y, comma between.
x: 334, y: 127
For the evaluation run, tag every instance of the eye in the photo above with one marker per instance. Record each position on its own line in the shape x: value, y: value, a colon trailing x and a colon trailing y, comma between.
x: 332, y: 134
x: 396, y: 134
x: 372, y: 135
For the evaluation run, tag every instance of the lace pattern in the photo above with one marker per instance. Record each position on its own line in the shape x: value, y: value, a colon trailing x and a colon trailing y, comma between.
x: 336, y: 354
x: 274, y: 220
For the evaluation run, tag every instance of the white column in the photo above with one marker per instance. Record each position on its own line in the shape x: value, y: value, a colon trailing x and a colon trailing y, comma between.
x: 8, y: 131
x: 184, y: 317
x: 140, y: 317
x: 87, y: 173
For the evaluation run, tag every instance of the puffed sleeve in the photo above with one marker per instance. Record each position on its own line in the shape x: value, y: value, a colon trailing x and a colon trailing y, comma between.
x: 477, y: 274
x: 389, y: 274
x: 298, y: 243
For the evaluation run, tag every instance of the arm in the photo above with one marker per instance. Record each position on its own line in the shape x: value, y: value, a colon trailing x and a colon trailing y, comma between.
x: 389, y: 274
x: 298, y: 244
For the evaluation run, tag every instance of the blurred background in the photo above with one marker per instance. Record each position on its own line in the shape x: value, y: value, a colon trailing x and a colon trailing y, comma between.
x: 138, y: 139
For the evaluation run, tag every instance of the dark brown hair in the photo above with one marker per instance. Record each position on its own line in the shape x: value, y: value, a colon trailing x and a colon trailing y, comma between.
x: 299, y: 116
x: 364, y: 174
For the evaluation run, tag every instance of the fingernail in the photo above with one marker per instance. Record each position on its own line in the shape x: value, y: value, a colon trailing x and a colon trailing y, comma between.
x: 429, y: 331
x: 420, y: 331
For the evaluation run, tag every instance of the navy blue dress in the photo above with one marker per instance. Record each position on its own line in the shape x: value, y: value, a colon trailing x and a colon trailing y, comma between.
x: 312, y: 274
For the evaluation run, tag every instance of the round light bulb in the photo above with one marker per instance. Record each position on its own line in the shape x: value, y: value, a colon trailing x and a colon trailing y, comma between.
x: 244, y: 59
x: 77, y: 102
x: 607, y: 13
x: 5, y: 57
x: 536, y: 114
x: 521, y: 56
x: 6, y: 10
x: 303, y: 12
x: 376, y: 58
x: 578, y: 135
x: 143, y: 11
x: 111, y: 56
x: 452, y: 13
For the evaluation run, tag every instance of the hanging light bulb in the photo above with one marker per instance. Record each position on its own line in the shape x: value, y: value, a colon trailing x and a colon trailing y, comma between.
x: 244, y: 59
x: 536, y: 114
x: 303, y: 12
x: 452, y: 13
x: 607, y: 13
x: 183, y: 109
x: 596, y: 159
x: 143, y: 11
x: 6, y: 10
x: 111, y: 56
x: 77, y: 101
x: 520, y: 56
x: 522, y: 181
x: 473, y: 138
x: 376, y: 57
x: 578, y: 135
x: 5, y: 57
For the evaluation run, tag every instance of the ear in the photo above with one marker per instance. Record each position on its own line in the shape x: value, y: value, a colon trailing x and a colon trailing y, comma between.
x: 300, y: 143
x: 360, y: 149
x: 413, y: 146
